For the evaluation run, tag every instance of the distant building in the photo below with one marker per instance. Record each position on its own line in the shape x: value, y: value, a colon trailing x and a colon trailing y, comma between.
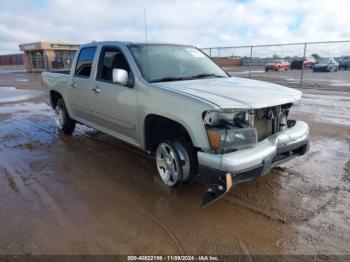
x: 42, y: 56
x: 11, y: 60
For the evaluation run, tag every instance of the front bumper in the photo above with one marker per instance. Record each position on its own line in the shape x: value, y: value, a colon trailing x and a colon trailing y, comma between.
x: 254, y: 162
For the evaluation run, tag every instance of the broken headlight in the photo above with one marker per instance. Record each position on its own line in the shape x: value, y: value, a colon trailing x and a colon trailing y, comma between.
x: 229, y: 131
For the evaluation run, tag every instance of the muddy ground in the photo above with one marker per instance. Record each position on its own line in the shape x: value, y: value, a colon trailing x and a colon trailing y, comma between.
x: 91, y: 194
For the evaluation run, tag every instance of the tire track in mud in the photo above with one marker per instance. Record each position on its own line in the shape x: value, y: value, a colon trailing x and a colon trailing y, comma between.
x: 346, y: 175
x: 294, y: 213
x: 165, y: 228
x: 30, y: 123
x: 13, y: 179
x: 48, y: 201
x: 17, y: 184
x: 10, y: 180
x: 244, y: 249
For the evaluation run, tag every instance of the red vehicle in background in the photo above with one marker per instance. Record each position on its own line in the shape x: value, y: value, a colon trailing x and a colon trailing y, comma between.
x: 277, y: 66
x: 310, y: 62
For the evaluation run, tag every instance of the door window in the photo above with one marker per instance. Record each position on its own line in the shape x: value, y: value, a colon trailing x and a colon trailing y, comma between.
x: 111, y: 58
x: 85, y: 60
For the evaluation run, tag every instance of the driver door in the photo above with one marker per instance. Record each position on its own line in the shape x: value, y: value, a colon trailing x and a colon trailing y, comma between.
x: 113, y: 105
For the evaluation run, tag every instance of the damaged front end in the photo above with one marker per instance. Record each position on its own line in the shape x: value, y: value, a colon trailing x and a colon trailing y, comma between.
x: 243, y: 146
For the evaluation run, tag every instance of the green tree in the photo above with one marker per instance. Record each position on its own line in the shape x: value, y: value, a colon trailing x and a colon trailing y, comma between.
x: 316, y: 56
x: 275, y: 56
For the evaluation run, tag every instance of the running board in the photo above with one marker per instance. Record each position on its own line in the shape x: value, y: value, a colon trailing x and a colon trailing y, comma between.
x: 217, y: 191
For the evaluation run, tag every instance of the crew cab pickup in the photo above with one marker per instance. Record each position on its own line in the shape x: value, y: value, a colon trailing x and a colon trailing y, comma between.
x: 174, y: 102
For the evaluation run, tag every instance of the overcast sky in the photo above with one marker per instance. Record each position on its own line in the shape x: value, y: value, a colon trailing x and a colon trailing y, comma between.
x: 203, y: 23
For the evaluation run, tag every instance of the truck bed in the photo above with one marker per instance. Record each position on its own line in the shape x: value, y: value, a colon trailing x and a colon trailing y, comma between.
x: 55, y: 81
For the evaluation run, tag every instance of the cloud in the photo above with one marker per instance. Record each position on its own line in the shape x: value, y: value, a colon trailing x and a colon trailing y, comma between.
x: 203, y: 23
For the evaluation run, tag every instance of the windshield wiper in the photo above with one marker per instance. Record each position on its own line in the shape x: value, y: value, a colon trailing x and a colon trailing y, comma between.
x: 173, y: 78
x: 168, y: 78
x: 205, y: 75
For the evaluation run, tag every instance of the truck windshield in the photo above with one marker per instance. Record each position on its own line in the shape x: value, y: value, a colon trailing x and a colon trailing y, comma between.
x: 161, y: 62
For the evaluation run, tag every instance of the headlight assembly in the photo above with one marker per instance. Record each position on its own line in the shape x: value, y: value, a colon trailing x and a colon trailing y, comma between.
x: 230, y: 130
x: 232, y: 138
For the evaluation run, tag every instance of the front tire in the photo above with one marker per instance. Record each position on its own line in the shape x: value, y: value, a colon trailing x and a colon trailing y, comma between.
x: 176, y: 161
x: 63, y: 121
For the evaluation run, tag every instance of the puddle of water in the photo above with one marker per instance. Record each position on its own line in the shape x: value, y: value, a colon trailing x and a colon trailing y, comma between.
x: 22, y: 80
x: 340, y: 84
x: 325, y: 108
x: 27, y: 108
x: 7, y: 71
x: 12, y: 94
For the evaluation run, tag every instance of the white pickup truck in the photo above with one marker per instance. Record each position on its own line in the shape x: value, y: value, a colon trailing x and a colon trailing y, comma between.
x: 174, y: 102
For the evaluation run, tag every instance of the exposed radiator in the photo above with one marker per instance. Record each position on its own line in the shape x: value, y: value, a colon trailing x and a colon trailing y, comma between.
x: 263, y: 125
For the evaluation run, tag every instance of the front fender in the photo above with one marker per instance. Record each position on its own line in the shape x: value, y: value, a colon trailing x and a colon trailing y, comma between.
x: 178, y: 107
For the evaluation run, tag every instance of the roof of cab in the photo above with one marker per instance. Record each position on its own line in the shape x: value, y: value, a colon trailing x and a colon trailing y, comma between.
x: 125, y: 43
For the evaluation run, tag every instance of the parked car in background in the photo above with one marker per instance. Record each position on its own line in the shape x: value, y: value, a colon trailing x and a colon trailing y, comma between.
x: 344, y: 62
x: 281, y: 65
x: 309, y: 62
x: 298, y: 63
x: 325, y: 65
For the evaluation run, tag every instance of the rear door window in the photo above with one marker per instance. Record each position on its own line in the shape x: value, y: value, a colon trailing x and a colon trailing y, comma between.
x: 84, y: 63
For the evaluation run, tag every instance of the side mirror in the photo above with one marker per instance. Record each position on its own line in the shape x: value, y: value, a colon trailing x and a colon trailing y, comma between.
x: 120, y: 76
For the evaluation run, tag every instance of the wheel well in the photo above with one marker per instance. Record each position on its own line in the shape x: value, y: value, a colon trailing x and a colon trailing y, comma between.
x: 54, y: 96
x: 158, y: 128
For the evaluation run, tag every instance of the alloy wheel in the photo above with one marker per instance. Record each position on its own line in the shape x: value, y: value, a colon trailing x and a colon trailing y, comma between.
x: 168, y: 164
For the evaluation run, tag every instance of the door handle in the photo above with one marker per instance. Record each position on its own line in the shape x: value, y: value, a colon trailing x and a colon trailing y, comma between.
x: 73, y: 85
x: 96, y: 90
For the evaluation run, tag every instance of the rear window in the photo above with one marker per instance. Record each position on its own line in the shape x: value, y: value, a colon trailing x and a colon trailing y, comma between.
x: 84, y: 62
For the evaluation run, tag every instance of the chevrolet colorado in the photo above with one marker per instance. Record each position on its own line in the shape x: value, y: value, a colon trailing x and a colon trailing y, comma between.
x: 175, y: 103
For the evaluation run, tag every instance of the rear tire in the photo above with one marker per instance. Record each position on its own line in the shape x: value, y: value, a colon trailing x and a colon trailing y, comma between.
x: 63, y: 121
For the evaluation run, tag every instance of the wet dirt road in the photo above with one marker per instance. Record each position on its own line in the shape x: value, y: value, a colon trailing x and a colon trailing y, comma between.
x: 91, y: 194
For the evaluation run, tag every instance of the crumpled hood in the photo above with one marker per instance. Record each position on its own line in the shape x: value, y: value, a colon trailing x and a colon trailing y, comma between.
x: 236, y: 93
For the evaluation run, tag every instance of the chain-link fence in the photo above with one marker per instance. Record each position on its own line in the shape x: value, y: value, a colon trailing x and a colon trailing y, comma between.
x: 58, y: 63
x: 313, y: 64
